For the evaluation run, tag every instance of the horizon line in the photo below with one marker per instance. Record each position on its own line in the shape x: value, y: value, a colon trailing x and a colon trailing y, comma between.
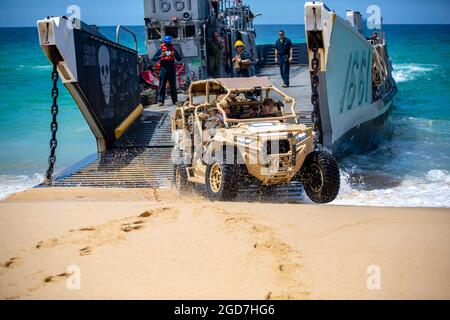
x: 256, y: 24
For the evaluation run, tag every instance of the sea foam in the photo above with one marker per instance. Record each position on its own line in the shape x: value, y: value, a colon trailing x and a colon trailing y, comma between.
x: 411, y: 71
x: 10, y: 184
x: 431, y: 190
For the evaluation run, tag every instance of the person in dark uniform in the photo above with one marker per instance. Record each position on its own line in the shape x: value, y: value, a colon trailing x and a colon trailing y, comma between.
x: 284, y: 57
x: 167, y: 55
x: 215, y: 5
x: 242, y: 60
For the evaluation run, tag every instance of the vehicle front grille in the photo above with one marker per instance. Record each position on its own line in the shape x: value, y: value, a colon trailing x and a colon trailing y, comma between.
x: 277, y: 147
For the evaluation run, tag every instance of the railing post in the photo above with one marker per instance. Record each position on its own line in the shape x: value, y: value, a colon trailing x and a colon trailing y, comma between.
x: 130, y: 32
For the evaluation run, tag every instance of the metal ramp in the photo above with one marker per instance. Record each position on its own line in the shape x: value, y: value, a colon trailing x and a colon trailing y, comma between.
x: 140, y: 159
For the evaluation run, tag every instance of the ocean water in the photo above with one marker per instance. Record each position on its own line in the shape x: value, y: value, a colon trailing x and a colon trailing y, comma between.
x: 412, y: 169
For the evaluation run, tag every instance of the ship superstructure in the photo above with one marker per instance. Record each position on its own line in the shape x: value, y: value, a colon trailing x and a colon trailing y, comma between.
x: 204, y: 31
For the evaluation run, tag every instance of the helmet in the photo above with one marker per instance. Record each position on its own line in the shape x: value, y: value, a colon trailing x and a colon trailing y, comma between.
x: 239, y: 43
x: 167, y: 39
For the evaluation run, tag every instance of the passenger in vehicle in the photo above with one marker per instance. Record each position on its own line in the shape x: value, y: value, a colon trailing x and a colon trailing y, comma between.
x: 215, y: 120
x: 252, y: 112
x: 270, y: 109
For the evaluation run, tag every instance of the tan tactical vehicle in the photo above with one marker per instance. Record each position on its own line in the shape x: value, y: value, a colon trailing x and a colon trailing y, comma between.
x: 232, y: 129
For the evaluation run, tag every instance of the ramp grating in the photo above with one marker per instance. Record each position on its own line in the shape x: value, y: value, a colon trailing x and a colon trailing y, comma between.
x: 140, y: 159
x: 125, y: 168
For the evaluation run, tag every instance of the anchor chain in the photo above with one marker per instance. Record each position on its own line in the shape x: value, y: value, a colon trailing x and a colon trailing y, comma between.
x: 315, y: 66
x: 53, y: 126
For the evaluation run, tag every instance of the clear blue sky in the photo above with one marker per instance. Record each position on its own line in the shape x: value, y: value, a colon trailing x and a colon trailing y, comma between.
x: 130, y: 12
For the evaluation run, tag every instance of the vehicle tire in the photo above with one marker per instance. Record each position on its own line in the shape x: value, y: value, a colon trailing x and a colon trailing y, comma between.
x: 320, y: 177
x: 149, y: 97
x: 221, y: 182
x: 180, y: 179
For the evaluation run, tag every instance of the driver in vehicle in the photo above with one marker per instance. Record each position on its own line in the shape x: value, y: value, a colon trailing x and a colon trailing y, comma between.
x: 254, y: 112
x: 270, y: 109
x: 215, y: 120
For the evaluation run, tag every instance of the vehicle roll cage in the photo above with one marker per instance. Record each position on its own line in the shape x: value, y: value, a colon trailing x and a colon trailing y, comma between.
x: 216, y: 87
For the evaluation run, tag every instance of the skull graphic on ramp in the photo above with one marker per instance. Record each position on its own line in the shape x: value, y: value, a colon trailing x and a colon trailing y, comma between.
x: 104, y: 63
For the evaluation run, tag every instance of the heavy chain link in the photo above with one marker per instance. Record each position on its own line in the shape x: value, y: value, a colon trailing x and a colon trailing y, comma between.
x: 53, y: 125
x: 315, y: 66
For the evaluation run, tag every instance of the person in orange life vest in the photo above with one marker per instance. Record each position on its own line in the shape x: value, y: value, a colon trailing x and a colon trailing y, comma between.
x: 167, y: 55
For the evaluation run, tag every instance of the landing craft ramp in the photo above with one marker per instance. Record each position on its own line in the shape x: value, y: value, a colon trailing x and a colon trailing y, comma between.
x: 142, y: 157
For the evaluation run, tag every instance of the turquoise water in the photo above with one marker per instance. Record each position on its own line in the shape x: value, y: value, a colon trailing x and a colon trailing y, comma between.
x: 412, y: 169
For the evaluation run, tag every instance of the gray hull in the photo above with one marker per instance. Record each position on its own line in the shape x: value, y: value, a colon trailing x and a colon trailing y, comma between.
x: 354, y: 108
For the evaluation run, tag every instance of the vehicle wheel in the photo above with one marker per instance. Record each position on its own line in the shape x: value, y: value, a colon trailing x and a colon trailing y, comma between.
x: 180, y: 178
x: 221, y: 182
x: 149, y: 97
x: 321, y: 177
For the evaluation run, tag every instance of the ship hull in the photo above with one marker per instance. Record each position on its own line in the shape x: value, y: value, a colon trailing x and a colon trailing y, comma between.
x: 364, y: 137
x: 354, y: 110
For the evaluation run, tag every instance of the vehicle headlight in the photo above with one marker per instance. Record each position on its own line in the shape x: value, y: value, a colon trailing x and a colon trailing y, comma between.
x: 301, y: 137
x: 244, y: 140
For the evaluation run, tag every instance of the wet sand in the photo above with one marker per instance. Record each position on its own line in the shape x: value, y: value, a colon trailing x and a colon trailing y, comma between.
x: 144, y: 244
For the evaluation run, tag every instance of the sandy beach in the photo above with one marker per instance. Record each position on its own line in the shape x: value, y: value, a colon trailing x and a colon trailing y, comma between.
x: 143, y: 244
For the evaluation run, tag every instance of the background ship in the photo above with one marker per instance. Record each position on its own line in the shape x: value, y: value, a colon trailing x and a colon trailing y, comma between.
x: 134, y: 141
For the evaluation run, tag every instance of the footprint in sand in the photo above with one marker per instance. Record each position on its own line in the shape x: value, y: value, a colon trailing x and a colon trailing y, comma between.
x: 57, y: 277
x: 92, y: 237
x: 137, y: 225
x: 289, y: 268
x: 266, y: 242
x: 10, y: 263
x: 47, y: 244
x: 284, y: 296
x: 87, y: 251
x: 146, y: 214
x: 88, y: 229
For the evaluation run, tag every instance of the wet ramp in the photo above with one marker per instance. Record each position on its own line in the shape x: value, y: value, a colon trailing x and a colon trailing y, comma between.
x: 124, y: 168
x: 140, y: 159
x: 152, y: 131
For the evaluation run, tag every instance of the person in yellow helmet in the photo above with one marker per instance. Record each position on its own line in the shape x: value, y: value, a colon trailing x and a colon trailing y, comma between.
x: 242, y: 60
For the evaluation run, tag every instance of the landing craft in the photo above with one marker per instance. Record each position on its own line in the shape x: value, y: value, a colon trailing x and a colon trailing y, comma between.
x: 353, y: 81
x: 350, y: 76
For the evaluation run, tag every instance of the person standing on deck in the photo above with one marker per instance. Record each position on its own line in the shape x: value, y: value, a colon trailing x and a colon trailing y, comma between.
x: 167, y: 55
x: 216, y: 55
x: 284, y: 57
x: 242, y: 60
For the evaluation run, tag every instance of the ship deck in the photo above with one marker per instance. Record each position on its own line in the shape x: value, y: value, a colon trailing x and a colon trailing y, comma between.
x: 142, y: 157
